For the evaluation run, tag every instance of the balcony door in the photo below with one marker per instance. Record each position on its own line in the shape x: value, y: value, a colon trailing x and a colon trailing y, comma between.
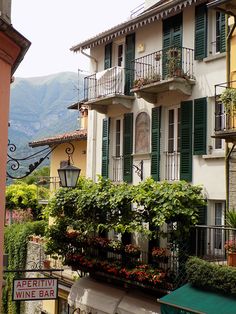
x: 117, y: 158
x: 172, y: 160
x: 172, y: 38
x: 219, y: 233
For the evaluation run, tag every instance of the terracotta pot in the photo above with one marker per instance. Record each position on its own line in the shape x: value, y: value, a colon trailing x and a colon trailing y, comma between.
x: 231, y: 259
x: 46, y: 264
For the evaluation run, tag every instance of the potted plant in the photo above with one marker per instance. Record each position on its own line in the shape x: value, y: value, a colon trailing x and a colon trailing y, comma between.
x: 132, y: 250
x: 173, y: 62
x: 228, y: 99
x: 230, y: 247
x: 160, y: 254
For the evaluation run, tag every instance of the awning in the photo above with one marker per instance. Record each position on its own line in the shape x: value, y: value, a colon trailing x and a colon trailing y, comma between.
x: 137, y: 304
x: 94, y: 297
x: 188, y: 299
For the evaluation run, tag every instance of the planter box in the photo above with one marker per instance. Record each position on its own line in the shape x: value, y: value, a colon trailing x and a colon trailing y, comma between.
x: 231, y: 259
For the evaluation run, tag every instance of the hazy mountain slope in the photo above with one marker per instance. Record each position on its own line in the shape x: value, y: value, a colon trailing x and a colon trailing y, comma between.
x: 38, y: 106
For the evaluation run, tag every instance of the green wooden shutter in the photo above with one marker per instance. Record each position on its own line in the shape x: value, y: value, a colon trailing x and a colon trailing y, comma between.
x: 129, y: 65
x: 186, y: 141
x: 200, y: 32
x: 222, y: 33
x: 108, y: 56
x: 155, y: 157
x: 200, y: 126
x: 128, y: 147
x: 105, y: 147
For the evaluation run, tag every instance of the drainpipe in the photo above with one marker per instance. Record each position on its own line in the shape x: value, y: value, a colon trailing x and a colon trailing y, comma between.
x: 91, y: 57
x: 227, y: 150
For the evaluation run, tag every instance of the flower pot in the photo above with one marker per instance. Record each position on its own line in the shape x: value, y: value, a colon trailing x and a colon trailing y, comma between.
x: 231, y: 259
x: 46, y: 264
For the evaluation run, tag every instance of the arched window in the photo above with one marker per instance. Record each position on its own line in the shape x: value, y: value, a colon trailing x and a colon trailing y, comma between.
x: 142, y: 133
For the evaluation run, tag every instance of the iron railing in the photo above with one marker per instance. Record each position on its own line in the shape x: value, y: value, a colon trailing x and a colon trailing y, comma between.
x: 225, y: 118
x: 108, y: 82
x: 210, y: 242
x: 117, y: 169
x: 172, y: 166
x: 162, y: 65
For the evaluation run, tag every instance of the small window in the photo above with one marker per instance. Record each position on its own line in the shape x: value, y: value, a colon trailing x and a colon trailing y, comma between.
x: 142, y: 133
x: 120, y: 56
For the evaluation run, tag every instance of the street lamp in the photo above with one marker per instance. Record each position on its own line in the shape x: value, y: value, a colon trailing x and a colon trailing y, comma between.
x: 69, y: 174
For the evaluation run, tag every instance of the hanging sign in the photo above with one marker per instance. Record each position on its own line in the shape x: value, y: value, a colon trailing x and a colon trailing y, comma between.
x: 35, y: 289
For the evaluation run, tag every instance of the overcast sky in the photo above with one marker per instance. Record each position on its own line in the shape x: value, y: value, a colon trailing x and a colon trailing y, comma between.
x: 54, y: 26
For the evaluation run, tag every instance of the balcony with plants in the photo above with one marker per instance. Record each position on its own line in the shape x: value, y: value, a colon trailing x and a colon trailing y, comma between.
x: 225, y: 114
x: 108, y: 87
x: 169, y: 69
x: 146, y: 258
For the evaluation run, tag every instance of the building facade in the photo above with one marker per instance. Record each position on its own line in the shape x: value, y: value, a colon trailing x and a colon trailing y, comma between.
x: 151, y: 95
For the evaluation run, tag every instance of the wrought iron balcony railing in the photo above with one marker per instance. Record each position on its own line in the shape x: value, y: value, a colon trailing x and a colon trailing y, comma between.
x: 172, y: 166
x: 117, y: 169
x: 108, y: 82
x: 225, y: 108
x: 162, y: 65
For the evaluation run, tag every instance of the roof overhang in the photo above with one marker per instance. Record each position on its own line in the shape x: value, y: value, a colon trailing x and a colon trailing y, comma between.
x: 79, y: 135
x: 18, y: 39
x: 226, y: 6
x: 161, y: 11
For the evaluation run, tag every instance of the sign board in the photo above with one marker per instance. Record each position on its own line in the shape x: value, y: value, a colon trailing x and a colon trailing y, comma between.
x: 35, y: 289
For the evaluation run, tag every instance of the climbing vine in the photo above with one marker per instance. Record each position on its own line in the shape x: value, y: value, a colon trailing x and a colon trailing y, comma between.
x: 103, y: 206
x: 15, y: 242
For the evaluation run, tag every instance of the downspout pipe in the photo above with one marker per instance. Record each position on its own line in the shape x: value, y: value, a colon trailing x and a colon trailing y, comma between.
x: 227, y: 150
x: 91, y: 57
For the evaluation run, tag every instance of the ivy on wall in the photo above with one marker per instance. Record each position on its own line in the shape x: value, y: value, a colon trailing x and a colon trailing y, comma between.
x: 15, y: 242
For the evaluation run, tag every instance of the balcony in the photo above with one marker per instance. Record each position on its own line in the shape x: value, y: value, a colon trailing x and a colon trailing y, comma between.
x: 225, y: 111
x: 110, y: 87
x: 167, y: 70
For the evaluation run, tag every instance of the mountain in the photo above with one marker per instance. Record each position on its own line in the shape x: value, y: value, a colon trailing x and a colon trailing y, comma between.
x: 38, y: 106
x: 38, y: 109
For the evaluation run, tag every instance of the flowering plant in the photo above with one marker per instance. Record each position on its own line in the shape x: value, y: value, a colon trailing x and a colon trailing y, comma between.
x: 230, y: 246
x: 115, y: 245
x: 132, y: 249
x: 159, y: 251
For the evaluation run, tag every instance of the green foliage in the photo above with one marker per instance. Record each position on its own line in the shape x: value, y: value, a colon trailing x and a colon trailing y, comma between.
x: 231, y: 218
x: 211, y: 276
x: 24, y: 196
x: 103, y: 206
x: 15, y: 242
x: 36, y: 174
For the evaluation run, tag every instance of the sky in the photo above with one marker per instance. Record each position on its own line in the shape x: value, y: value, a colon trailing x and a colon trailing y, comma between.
x: 54, y: 26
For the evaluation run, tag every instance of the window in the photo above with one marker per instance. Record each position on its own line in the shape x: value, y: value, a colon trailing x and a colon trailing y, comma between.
x: 172, y: 161
x: 217, y: 35
x: 142, y: 133
x: 219, y: 218
x: 118, y: 139
x: 219, y: 123
x: 120, y: 56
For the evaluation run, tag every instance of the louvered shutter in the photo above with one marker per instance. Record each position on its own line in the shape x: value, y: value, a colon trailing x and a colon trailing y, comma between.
x: 129, y: 65
x: 108, y: 56
x: 128, y: 147
x: 200, y: 126
x: 105, y: 147
x: 186, y: 141
x: 155, y: 157
x: 200, y: 32
x: 222, y: 32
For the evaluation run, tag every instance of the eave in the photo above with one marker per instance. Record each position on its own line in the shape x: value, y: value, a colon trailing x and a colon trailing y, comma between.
x: 160, y: 11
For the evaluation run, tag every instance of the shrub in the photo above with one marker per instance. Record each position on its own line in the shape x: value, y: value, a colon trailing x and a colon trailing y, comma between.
x: 210, y: 276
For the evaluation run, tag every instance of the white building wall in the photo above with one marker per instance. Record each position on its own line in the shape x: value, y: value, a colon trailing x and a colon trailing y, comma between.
x: 207, y: 170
